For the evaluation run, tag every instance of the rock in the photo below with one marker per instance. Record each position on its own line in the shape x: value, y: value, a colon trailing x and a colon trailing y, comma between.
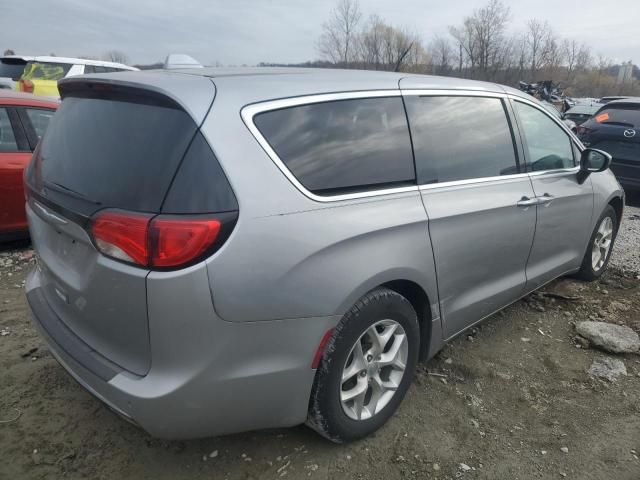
x: 464, y: 467
x: 607, y: 367
x: 475, y: 423
x: 449, y: 361
x: 525, y: 339
x: 581, y: 342
x: 564, y: 449
x: 213, y: 454
x: 436, y: 467
x: 610, y: 337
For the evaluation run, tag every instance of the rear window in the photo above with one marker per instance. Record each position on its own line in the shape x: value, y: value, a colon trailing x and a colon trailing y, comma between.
x: 13, y: 69
x: 622, y: 115
x: 109, y: 153
x: 342, y: 146
x: 46, y: 70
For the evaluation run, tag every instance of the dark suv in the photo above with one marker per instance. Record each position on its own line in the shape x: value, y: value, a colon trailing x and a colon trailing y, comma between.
x: 615, y: 128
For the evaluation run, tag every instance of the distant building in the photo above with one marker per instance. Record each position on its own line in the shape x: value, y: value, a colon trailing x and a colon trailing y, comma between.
x: 625, y: 74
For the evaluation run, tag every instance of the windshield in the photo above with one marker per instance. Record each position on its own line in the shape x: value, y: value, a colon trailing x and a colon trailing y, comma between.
x: 45, y: 71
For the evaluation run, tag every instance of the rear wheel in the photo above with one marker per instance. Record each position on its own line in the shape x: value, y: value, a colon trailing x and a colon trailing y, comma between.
x: 600, y: 246
x: 367, y: 367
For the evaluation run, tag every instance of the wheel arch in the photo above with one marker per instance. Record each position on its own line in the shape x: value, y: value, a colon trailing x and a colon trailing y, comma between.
x: 618, y: 205
x: 420, y: 302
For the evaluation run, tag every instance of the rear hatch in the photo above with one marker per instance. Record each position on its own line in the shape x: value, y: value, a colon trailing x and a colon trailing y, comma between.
x: 111, y: 152
x: 616, y: 130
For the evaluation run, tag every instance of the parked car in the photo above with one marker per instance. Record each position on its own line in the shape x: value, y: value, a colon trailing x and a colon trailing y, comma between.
x: 581, y: 113
x: 40, y: 74
x: 11, y: 69
x: 23, y: 120
x: 278, y: 255
x: 615, y: 128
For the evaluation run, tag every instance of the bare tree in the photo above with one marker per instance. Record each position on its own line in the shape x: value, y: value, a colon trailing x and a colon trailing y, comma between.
x: 537, y: 38
x: 9, y: 51
x: 482, y: 37
x: 116, y: 56
x: 338, y: 39
x: 441, y: 54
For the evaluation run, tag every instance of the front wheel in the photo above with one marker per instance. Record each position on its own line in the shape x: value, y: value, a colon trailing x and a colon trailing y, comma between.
x: 600, y: 246
x: 367, y: 367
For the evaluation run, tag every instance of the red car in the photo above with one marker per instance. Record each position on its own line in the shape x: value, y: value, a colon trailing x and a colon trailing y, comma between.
x: 23, y: 121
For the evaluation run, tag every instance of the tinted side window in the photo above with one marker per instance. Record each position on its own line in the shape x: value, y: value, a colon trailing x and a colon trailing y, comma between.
x: 342, y: 146
x: 7, y: 137
x: 459, y: 138
x: 39, y: 118
x: 548, y: 146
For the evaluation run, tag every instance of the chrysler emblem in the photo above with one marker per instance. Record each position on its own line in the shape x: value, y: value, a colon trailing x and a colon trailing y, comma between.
x: 629, y: 133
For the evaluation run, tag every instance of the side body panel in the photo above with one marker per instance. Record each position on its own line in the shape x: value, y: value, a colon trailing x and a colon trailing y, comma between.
x: 12, y: 214
x: 291, y: 256
x: 481, y: 240
x: 564, y: 225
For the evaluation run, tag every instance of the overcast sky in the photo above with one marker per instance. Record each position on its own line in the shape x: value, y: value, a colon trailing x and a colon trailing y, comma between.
x: 236, y: 32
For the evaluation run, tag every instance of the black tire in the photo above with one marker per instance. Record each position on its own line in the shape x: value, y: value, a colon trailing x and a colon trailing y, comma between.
x: 326, y: 414
x: 587, y: 271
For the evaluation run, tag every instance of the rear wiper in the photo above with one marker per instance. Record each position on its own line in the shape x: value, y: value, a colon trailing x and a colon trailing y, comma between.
x: 67, y: 191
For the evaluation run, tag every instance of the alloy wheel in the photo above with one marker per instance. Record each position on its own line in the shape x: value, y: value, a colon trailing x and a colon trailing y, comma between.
x: 602, y: 244
x: 374, y: 369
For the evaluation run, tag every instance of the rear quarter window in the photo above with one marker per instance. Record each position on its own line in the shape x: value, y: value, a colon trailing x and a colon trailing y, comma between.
x: 342, y: 146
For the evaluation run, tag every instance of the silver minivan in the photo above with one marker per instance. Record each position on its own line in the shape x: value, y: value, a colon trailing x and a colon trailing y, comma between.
x: 227, y: 250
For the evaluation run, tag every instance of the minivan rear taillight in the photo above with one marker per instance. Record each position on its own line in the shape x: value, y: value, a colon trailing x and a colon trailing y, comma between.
x: 157, y: 241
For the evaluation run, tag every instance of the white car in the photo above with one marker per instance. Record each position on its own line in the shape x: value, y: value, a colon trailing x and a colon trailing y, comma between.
x: 13, y: 66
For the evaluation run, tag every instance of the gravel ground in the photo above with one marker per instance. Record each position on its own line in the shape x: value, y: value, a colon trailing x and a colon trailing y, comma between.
x: 626, y: 255
x: 510, y: 399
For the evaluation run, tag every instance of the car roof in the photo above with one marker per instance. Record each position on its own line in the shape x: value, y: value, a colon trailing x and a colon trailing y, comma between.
x: 257, y: 84
x: 625, y: 100
x: 71, y: 60
x: 585, y: 109
x: 19, y: 98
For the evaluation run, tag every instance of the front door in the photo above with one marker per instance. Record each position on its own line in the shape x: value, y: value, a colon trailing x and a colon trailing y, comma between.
x: 565, y: 205
x: 481, y: 207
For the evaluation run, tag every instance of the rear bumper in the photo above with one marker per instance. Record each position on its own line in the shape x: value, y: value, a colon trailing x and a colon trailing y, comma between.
x: 215, y: 378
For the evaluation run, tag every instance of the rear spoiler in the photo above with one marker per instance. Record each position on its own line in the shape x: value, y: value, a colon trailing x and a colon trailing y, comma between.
x: 191, y: 93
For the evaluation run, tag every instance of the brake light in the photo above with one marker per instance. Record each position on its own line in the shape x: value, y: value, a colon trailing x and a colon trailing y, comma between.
x: 176, y: 242
x: 123, y: 236
x: 25, y: 85
x: 154, y: 240
x: 580, y: 130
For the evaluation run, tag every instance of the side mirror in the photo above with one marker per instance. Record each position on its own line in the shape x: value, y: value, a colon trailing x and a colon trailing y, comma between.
x: 592, y: 161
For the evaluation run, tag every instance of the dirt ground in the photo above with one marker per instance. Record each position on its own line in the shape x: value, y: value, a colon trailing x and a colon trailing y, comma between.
x: 509, y: 400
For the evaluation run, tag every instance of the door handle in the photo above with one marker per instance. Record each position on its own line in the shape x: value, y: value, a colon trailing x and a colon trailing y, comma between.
x: 544, y: 199
x: 527, y: 202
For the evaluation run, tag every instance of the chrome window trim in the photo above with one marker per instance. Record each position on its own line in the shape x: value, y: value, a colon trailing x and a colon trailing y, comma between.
x: 555, y: 172
x: 452, y: 93
x: 249, y: 111
x: 473, y: 181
